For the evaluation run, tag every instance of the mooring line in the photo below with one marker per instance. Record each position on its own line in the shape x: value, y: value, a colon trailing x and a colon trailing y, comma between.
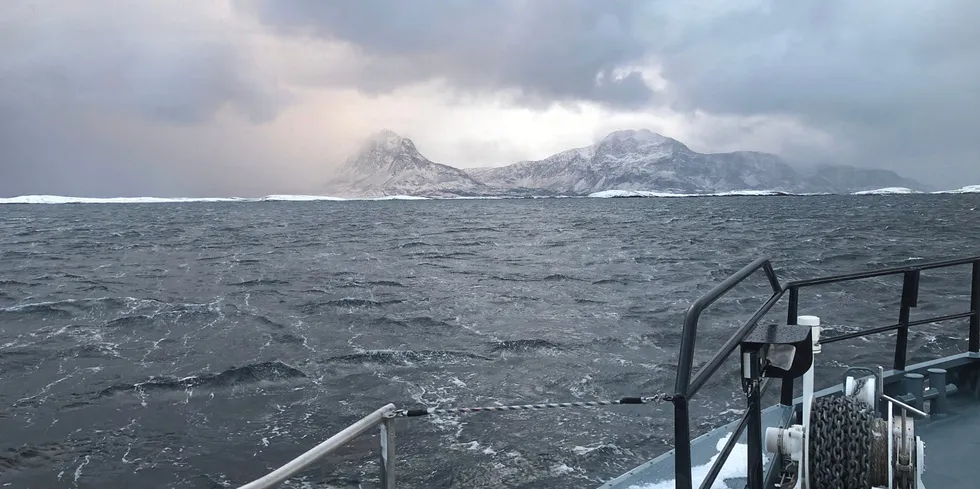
x: 409, y: 413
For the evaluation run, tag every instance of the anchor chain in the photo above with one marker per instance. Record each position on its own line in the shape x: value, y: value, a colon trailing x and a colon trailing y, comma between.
x: 841, y: 444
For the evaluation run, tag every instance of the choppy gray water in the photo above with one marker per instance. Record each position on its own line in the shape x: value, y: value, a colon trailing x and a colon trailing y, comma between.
x: 201, y: 345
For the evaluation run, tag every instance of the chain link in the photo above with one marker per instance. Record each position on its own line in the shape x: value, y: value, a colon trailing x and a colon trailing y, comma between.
x: 840, y: 443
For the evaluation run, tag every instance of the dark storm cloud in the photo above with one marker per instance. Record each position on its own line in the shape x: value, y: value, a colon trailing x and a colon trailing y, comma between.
x: 894, y: 83
x: 67, y: 70
x: 548, y: 49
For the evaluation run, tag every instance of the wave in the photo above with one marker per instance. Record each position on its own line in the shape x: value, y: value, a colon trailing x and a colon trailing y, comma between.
x: 417, y: 323
x: 133, y: 322
x: 611, y: 281
x: 414, y: 244
x: 348, y: 302
x: 259, y: 282
x: 64, y: 308
x: 287, y: 338
x: 404, y: 357
x: 523, y: 345
x: 560, y: 278
x: 368, y: 284
x: 351, y: 302
x: 248, y: 374
x: 42, y: 311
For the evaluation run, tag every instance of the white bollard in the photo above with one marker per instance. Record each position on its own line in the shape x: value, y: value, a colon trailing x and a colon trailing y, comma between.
x: 814, y: 323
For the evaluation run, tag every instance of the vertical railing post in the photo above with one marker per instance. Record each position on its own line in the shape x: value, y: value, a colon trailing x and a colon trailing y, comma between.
x: 754, y: 405
x: 792, y: 315
x: 682, y: 443
x: 910, y: 299
x: 388, y: 453
x: 793, y: 311
x: 974, y: 343
x: 786, y: 391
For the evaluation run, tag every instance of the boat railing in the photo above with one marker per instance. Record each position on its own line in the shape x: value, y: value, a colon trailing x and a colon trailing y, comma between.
x: 685, y: 388
x: 383, y: 417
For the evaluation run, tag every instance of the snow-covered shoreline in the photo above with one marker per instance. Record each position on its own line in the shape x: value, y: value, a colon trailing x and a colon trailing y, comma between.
x: 606, y: 194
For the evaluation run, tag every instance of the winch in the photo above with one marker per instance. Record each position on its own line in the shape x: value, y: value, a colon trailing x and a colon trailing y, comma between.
x: 862, y: 439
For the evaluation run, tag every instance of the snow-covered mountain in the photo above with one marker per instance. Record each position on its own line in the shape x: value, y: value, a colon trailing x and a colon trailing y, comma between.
x: 388, y: 164
x: 646, y: 161
x: 628, y: 160
x: 643, y: 160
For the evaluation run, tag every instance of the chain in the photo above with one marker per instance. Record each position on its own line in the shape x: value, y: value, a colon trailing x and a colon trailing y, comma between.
x: 840, y: 443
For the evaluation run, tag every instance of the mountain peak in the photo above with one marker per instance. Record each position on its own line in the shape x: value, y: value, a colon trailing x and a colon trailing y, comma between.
x: 639, y: 143
x: 387, y: 140
x: 641, y: 135
x: 389, y: 164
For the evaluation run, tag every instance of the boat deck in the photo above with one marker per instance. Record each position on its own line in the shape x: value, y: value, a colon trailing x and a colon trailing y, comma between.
x: 952, y: 440
x: 952, y: 445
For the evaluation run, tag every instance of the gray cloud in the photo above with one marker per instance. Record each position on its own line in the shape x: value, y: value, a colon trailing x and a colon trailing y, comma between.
x: 895, y: 85
x: 74, y: 79
x: 547, y: 49
x: 118, y: 57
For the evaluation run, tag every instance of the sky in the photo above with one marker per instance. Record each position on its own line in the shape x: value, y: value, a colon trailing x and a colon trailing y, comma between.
x: 253, y: 97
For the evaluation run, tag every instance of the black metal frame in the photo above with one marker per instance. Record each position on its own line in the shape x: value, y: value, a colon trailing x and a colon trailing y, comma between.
x: 685, y: 388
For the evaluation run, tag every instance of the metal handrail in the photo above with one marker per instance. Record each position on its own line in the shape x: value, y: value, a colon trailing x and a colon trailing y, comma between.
x: 685, y: 388
x: 330, y: 445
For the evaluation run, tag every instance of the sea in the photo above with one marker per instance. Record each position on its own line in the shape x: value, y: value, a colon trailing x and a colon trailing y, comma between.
x: 203, y: 344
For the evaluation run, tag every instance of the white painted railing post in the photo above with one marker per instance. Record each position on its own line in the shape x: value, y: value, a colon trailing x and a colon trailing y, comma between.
x: 388, y: 453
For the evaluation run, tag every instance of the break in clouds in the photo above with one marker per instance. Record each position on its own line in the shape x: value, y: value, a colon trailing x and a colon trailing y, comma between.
x: 187, y: 98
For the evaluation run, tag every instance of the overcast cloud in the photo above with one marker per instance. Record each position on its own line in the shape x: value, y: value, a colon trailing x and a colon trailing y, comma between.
x: 251, y: 97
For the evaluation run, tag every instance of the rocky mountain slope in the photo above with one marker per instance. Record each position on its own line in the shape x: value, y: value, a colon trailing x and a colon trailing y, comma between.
x: 643, y: 160
x: 389, y: 164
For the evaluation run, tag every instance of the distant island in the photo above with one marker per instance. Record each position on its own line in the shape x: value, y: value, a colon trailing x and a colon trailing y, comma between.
x: 632, y: 162
x: 624, y: 164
